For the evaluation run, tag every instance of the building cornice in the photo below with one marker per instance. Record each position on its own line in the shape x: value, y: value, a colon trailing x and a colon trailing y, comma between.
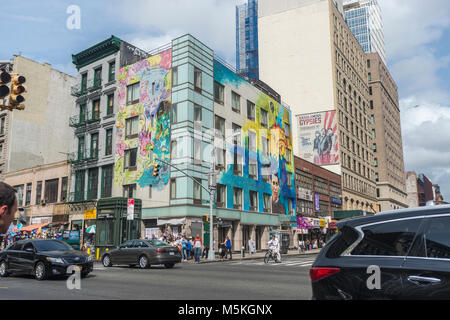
x: 97, y: 52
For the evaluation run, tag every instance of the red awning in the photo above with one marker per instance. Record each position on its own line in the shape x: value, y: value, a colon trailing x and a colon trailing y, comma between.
x: 33, y: 227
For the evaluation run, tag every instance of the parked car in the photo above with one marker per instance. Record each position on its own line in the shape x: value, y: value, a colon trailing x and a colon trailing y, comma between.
x: 410, y: 248
x: 43, y: 259
x: 143, y: 253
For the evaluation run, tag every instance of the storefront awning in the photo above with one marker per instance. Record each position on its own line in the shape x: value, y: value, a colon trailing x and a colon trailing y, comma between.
x: 172, y: 222
x: 32, y: 227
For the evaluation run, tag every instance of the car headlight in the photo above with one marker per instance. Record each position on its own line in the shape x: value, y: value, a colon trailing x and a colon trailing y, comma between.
x: 89, y: 259
x: 55, y: 260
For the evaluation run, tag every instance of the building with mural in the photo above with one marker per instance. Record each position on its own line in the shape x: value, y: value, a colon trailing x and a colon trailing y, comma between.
x: 93, y: 124
x: 186, y: 107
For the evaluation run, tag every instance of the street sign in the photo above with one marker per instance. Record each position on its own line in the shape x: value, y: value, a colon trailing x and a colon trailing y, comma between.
x: 130, y: 209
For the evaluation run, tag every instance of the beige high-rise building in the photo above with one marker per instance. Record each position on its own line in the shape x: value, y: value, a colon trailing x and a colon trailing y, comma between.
x: 386, y: 135
x: 309, y: 55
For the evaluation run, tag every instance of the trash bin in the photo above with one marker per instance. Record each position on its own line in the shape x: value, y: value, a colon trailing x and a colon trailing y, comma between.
x: 285, y: 240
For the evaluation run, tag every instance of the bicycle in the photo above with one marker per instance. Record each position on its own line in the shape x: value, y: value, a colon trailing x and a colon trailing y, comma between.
x: 270, y: 255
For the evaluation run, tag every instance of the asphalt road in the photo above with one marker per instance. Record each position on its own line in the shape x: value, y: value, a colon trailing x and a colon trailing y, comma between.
x: 229, y: 280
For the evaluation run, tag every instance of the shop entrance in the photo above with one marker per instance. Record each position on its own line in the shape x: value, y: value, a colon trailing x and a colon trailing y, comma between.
x: 245, y: 236
x: 258, y: 235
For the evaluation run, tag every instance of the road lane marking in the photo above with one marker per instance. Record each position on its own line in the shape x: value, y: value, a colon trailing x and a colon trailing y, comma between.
x: 4, y: 288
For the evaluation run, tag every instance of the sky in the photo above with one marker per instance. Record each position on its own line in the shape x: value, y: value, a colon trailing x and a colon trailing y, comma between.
x: 417, y: 36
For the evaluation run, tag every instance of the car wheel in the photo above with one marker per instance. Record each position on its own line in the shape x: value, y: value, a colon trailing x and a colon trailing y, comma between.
x: 169, y: 265
x: 143, y: 262
x: 40, y: 271
x: 3, y: 269
x: 106, y: 261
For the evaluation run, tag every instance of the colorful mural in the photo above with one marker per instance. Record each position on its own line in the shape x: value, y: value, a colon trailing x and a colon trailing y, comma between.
x: 153, y: 109
x: 273, y: 167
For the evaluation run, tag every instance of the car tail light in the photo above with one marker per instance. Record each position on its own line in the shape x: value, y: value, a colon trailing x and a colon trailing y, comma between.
x: 320, y: 273
x: 159, y: 250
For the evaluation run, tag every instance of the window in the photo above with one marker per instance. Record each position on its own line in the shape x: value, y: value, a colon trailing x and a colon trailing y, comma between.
x: 267, y: 202
x: 291, y: 207
x: 2, y: 125
x: 289, y: 179
x: 264, y: 146
x: 374, y: 135
x: 253, y: 201
x: 221, y: 196
x: 374, y: 147
x: 370, y: 90
x: 107, y: 179
x: 220, y: 159
x: 173, y: 149
x: 130, y: 160
x: 197, y: 113
x: 83, y: 115
x: 133, y: 93
x: 173, y: 188
x: 197, y: 151
x: 252, y: 141
x: 237, y: 198
x: 64, y: 189
x: 197, y: 191
x: 96, y: 109
x: 19, y: 195
x: 112, y: 71
x: 174, y: 113
x: 38, y: 192
x: 83, y: 82
x: 368, y: 63
x: 97, y: 77
x: 369, y: 76
x: 220, y: 127
x: 237, y: 164
x: 235, y: 102
x: 198, y: 80
x: 129, y: 191
x: 93, y: 183
x: 375, y: 162
x: 1, y: 151
x: 108, y: 149
x: 175, y: 76
x: 81, y: 148
x: 132, y: 127
x: 251, y: 111
x: 218, y: 92
x: 110, y: 106
x: 79, y: 185
x: 288, y: 156
x: 264, y: 118
x: 434, y: 243
x: 371, y: 104
x: 236, y: 134
x: 94, y: 146
x: 28, y: 194
x: 51, y: 190
x: 388, y: 239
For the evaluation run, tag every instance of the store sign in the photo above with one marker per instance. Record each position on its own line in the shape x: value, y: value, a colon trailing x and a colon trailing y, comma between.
x: 304, y: 223
x: 336, y: 200
x: 316, y: 223
x: 90, y: 214
x: 317, y: 202
x: 305, y: 194
x: 130, y: 209
x: 323, y: 223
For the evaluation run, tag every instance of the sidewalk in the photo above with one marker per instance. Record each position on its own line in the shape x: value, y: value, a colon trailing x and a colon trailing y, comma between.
x: 255, y: 256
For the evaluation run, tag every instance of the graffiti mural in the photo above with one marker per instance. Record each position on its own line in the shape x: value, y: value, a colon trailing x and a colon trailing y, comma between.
x: 272, y: 153
x: 153, y: 127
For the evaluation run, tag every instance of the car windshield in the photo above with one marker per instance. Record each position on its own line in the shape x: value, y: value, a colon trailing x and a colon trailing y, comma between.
x: 158, y: 243
x: 52, y: 245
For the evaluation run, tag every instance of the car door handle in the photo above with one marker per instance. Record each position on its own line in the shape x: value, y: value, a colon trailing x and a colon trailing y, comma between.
x: 423, y: 280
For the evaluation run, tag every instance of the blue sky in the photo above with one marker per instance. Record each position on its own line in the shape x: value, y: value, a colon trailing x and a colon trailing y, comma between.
x: 417, y: 36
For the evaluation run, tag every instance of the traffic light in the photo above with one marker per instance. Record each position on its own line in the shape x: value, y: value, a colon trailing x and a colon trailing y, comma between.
x: 5, y: 78
x: 16, y: 97
x: 156, y: 170
x: 205, y: 218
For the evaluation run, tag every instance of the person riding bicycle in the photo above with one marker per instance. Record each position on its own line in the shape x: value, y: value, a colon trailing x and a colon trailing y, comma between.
x: 274, y: 245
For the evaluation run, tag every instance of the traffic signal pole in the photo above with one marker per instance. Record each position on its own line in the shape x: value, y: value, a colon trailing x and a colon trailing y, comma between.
x: 210, y: 191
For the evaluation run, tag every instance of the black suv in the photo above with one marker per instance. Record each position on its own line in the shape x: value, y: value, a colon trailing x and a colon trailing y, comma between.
x: 402, y: 254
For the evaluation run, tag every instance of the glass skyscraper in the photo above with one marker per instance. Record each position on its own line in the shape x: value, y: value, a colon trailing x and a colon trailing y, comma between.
x: 247, y: 39
x: 364, y: 20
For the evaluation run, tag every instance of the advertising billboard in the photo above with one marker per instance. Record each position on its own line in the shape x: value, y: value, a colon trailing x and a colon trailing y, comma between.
x: 317, y: 137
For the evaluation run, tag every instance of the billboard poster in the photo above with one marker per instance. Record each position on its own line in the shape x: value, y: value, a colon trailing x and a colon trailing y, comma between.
x: 317, y: 202
x: 317, y: 137
x: 304, y: 194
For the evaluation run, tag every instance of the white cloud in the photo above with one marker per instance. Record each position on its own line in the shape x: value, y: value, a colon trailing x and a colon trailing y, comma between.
x: 210, y: 21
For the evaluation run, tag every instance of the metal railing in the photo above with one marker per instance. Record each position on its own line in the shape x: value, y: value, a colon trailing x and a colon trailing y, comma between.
x: 81, y: 89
